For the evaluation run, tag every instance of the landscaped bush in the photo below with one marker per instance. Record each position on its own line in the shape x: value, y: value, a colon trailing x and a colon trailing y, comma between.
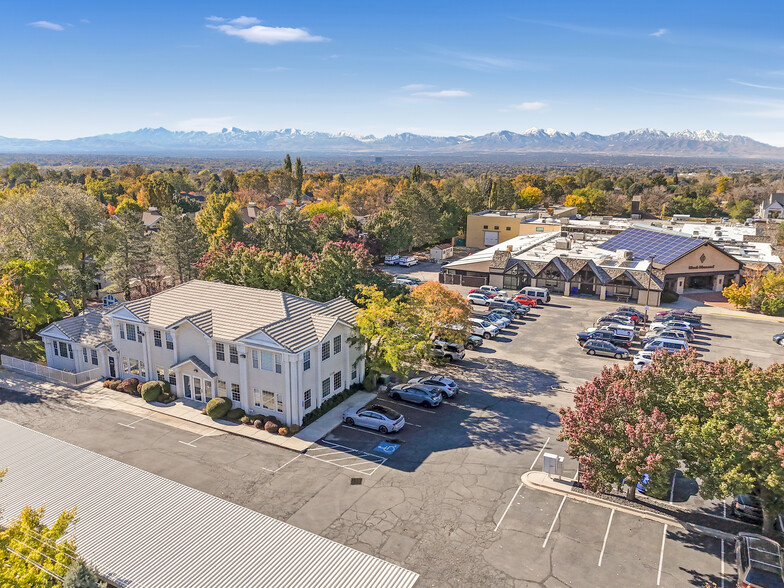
x: 294, y: 429
x: 151, y: 391
x: 271, y: 427
x: 773, y: 306
x: 669, y: 296
x: 217, y: 408
x: 165, y: 398
x: 283, y: 431
x: 326, y: 406
x: 107, y: 383
x: 246, y: 420
x: 259, y: 424
x: 235, y: 414
x: 165, y: 387
x: 115, y: 385
x: 129, y: 385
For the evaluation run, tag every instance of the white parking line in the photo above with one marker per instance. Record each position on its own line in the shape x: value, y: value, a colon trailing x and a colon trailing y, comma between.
x: 538, y: 455
x: 364, y: 431
x: 191, y: 443
x: 722, y: 563
x: 409, y: 406
x: 672, y: 488
x: 606, y: 533
x: 370, y: 461
x: 508, y: 506
x: 661, y: 556
x: 552, y: 526
x: 281, y: 467
x: 130, y: 425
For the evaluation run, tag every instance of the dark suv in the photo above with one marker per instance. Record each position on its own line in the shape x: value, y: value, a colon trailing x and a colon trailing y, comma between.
x: 511, y: 306
x: 602, y: 335
x: 759, y: 562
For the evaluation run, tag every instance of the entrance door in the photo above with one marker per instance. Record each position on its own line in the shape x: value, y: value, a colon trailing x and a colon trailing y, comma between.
x: 186, y: 383
x: 112, y: 369
x: 197, y: 390
x: 491, y: 238
x: 207, y: 390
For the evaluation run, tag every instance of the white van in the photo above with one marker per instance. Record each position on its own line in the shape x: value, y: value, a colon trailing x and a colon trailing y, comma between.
x: 407, y: 260
x: 668, y: 345
x: 391, y: 259
x: 542, y: 295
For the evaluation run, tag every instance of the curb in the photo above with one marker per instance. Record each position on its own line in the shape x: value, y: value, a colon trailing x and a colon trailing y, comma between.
x: 667, y: 520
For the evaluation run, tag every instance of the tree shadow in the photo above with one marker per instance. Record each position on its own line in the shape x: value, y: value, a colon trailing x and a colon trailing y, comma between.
x: 8, y: 396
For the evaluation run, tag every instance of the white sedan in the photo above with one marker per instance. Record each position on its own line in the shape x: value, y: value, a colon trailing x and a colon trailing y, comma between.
x: 642, y: 359
x: 680, y: 325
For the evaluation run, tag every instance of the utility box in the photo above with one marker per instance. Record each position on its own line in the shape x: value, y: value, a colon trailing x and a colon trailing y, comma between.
x: 552, y: 464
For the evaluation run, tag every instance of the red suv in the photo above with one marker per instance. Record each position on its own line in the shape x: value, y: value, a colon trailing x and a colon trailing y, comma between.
x: 526, y: 300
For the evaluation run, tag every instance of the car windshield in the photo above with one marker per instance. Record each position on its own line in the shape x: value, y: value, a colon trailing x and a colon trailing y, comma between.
x: 387, y: 412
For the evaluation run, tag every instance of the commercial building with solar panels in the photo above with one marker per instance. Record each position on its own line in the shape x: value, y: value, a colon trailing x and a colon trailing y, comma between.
x: 634, y: 265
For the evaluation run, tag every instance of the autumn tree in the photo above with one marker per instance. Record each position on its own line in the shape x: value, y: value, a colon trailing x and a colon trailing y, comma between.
x: 529, y: 197
x: 617, y: 433
x: 393, y: 233
x: 25, y: 294
x: 441, y: 310
x: 231, y: 227
x: 210, y: 217
x: 287, y: 232
x: 158, y: 192
x: 339, y: 270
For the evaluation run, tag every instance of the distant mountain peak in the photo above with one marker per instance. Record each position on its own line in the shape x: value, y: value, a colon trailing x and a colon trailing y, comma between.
x: 637, y: 142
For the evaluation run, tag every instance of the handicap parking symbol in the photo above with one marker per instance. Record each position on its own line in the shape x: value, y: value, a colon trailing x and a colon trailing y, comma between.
x: 386, y: 448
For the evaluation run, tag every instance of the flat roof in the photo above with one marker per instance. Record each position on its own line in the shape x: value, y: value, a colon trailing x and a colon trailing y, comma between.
x: 144, y: 531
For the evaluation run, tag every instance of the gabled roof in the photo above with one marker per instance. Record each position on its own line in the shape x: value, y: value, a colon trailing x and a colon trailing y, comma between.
x: 92, y: 328
x: 228, y: 312
x: 193, y: 360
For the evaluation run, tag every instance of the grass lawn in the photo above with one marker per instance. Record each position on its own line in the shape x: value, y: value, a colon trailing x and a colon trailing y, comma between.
x: 30, y: 350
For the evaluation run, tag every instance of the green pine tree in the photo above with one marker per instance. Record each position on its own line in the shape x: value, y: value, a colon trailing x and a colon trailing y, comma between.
x: 287, y: 163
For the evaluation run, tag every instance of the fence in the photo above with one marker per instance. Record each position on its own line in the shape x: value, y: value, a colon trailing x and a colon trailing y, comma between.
x: 47, y: 373
x: 458, y: 280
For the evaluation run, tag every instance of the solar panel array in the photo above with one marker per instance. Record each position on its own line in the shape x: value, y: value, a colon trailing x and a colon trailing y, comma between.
x: 644, y: 243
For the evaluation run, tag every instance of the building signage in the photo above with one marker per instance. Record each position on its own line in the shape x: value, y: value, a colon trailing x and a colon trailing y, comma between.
x: 701, y: 267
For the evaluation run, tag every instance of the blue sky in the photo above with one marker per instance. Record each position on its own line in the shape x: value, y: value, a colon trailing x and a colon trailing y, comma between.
x: 76, y: 68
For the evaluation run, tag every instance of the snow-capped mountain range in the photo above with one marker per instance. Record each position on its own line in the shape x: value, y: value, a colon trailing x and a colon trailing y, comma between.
x: 641, y: 142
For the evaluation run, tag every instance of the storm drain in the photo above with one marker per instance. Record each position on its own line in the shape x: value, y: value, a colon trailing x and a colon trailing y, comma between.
x: 356, y: 481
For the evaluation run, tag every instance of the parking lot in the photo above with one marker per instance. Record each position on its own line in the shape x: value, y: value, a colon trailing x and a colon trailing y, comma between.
x: 443, y: 496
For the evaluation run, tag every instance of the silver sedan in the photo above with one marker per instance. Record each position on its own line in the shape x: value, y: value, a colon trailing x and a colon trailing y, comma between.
x: 375, y: 416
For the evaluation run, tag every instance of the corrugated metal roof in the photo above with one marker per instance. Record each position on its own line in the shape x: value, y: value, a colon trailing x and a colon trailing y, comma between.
x: 144, y: 531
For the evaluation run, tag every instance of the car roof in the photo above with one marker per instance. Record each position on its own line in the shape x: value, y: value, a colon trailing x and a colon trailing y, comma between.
x: 764, y: 553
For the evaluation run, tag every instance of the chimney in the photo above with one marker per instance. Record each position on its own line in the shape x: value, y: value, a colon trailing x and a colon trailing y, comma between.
x: 636, y: 204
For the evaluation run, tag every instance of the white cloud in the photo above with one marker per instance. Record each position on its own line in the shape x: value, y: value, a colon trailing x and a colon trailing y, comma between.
x: 659, y: 33
x: 215, y: 18
x: 530, y: 106
x: 266, y: 35
x: 210, y: 125
x: 45, y: 24
x: 415, y: 87
x: 245, y: 21
x: 84, y: 21
x: 444, y: 94
x: 750, y: 85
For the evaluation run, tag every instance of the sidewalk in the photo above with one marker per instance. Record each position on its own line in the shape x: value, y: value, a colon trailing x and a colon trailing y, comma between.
x: 315, y: 431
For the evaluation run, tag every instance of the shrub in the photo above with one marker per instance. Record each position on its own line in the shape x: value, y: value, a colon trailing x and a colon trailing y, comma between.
x: 669, y: 296
x: 138, y: 389
x: 217, y: 408
x: 271, y: 427
x: 151, y: 391
x: 115, y: 384
x: 165, y: 387
x: 294, y: 429
x: 107, y: 383
x: 283, y: 431
x: 235, y: 414
x: 326, y: 406
x: 129, y: 385
x: 259, y: 424
x: 204, y: 410
x: 166, y: 398
x: 246, y: 420
x: 773, y: 306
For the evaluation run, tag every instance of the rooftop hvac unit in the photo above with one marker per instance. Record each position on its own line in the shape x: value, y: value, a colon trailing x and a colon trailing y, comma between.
x: 564, y: 244
x: 503, y: 213
x: 578, y: 236
x: 564, y: 234
x: 655, y: 224
x: 624, y: 254
x: 695, y: 233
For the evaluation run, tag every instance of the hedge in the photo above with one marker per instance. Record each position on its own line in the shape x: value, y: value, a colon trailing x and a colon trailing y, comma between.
x: 271, y: 427
x: 235, y: 414
x: 328, y: 405
x: 151, y: 391
x: 283, y: 431
x: 669, y: 296
x: 130, y: 385
x: 217, y: 408
x: 259, y: 424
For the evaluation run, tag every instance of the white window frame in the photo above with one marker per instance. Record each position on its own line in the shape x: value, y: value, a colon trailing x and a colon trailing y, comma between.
x: 234, y: 355
x: 254, y: 355
x: 220, y: 351
x: 267, y: 400
x: 337, y: 380
x: 307, y: 399
x: 337, y: 345
x: 306, y: 361
x: 94, y: 356
x: 326, y: 387
x: 130, y: 332
x: 236, y: 393
x: 157, y: 339
x: 325, y: 351
x: 84, y: 354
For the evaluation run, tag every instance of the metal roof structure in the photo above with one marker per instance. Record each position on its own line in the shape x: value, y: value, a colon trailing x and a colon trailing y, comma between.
x: 144, y: 531
x: 665, y: 245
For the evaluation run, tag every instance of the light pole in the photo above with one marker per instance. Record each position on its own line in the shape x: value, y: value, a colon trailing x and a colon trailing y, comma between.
x: 648, y: 291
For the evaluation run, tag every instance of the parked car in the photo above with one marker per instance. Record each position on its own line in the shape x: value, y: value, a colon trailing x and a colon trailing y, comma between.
x: 510, y: 305
x: 759, y: 560
x: 664, y: 334
x: 779, y: 339
x: 504, y: 313
x: 542, y: 295
x: 684, y: 318
x: 416, y: 393
x: 747, y: 507
x: 672, y: 324
x: 478, y: 299
x: 601, y: 335
x: 525, y: 299
x: 624, y: 333
x: 407, y: 260
x: 483, y: 328
x: 449, y: 351
x: 447, y: 387
x: 474, y: 341
x: 634, y: 316
x: 391, y: 259
x: 381, y: 418
x: 403, y: 282
x: 680, y: 312
x: 415, y: 281
x: 688, y: 335
x: 614, y: 320
x: 492, y: 291
x: 642, y: 358
x: 595, y: 347
x: 498, y: 320
x: 668, y: 345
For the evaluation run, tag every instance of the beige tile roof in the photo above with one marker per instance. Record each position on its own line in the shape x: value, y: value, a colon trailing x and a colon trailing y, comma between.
x: 230, y: 312
x: 92, y: 327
